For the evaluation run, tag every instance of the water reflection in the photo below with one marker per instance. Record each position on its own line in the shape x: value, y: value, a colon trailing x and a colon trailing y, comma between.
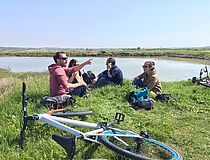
x: 169, y: 69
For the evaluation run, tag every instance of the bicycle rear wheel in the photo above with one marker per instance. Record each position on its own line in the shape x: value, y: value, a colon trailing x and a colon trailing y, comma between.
x: 125, y: 143
x: 72, y: 113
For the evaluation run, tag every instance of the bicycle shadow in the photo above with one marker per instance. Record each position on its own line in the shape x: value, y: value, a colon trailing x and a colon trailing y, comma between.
x: 91, y: 148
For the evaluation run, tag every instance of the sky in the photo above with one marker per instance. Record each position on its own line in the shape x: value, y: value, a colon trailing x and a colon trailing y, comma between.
x: 105, y: 23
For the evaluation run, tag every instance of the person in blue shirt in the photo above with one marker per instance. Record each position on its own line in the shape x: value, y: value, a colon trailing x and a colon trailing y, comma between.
x: 111, y: 76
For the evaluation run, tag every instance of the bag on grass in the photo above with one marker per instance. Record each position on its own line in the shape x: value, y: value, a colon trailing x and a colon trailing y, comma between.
x: 88, y: 77
x: 57, y: 101
x: 146, y: 104
x: 138, y: 95
x: 139, y: 99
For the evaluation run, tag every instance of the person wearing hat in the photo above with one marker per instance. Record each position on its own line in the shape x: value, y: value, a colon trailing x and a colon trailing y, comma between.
x: 149, y: 79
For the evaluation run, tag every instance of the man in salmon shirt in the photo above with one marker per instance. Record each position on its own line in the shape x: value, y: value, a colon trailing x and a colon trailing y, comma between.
x: 59, y: 72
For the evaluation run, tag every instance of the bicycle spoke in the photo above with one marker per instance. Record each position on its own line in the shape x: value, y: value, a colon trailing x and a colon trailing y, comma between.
x: 137, y: 148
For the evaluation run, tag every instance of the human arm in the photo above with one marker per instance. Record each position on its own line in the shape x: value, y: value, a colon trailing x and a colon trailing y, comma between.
x: 74, y: 85
x: 62, y: 81
x: 78, y: 67
x: 137, y: 81
x: 140, y: 76
x: 79, y: 78
x: 152, y: 81
x: 71, y: 70
x: 75, y: 78
x: 113, y: 73
x: 72, y: 77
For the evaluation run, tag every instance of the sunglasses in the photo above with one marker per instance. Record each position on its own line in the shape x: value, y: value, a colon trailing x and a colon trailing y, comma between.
x: 64, y: 58
x: 144, y: 66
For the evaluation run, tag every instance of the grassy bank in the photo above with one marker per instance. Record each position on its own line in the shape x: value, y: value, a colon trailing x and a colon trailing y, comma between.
x: 200, y: 53
x: 182, y: 123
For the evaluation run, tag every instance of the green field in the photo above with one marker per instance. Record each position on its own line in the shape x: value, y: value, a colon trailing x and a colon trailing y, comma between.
x: 182, y: 123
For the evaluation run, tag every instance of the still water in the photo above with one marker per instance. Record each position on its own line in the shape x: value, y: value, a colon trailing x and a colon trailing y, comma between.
x: 169, y: 69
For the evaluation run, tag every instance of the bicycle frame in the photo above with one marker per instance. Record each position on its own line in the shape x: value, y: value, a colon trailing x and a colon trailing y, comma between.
x: 59, y: 122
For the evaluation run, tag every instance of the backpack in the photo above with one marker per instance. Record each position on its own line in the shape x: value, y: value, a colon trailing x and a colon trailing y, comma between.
x: 57, y: 101
x: 88, y: 77
x: 139, y: 99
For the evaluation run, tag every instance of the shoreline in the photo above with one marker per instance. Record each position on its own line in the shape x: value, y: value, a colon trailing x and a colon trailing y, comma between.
x: 202, y: 54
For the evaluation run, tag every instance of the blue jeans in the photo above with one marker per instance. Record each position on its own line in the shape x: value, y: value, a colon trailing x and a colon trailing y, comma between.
x: 78, y: 91
x: 102, y: 82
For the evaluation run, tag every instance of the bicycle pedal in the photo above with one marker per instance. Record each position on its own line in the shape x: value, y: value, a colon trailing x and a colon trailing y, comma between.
x: 119, y: 117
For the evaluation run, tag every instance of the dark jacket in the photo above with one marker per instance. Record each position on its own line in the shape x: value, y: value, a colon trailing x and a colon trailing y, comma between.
x: 114, y: 74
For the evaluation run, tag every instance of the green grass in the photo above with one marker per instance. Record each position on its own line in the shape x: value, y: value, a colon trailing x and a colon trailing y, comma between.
x: 182, y: 123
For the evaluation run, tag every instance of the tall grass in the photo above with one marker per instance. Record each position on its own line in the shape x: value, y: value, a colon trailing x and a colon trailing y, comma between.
x: 182, y: 123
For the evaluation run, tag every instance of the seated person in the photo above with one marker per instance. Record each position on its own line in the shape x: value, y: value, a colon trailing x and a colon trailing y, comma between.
x: 149, y: 78
x: 76, y: 82
x: 58, y: 73
x: 111, y: 76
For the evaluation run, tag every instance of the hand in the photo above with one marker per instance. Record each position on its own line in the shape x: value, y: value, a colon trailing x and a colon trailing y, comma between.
x: 85, y: 84
x: 131, y: 84
x: 82, y: 83
x: 89, y: 61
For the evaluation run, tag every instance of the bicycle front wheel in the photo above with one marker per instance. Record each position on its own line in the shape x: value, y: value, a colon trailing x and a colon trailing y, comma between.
x: 131, y: 145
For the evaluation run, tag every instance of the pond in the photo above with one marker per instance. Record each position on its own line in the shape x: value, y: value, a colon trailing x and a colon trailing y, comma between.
x: 169, y: 69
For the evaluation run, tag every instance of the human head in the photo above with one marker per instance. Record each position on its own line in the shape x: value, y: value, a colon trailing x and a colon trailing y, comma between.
x: 149, y: 66
x: 60, y: 58
x: 110, y: 62
x: 73, y: 63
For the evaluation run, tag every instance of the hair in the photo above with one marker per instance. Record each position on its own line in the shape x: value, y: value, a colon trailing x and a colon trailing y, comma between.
x: 57, y: 56
x: 111, y: 60
x: 72, y: 63
x: 151, y: 65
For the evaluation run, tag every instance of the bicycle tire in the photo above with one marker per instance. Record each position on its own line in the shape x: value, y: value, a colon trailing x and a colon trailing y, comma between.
x: 138, y: 148
x: 72, y: 113
x: 23, y: 122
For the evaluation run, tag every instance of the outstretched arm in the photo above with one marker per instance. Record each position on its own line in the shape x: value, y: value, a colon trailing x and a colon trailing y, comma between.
x: 77, y: 68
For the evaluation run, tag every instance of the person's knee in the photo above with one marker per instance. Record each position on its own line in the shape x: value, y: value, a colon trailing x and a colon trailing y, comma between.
x: 79, y: 91
x: 100, y: 82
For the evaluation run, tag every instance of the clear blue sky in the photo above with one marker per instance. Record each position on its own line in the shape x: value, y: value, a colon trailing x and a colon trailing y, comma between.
x: 105, y: 23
